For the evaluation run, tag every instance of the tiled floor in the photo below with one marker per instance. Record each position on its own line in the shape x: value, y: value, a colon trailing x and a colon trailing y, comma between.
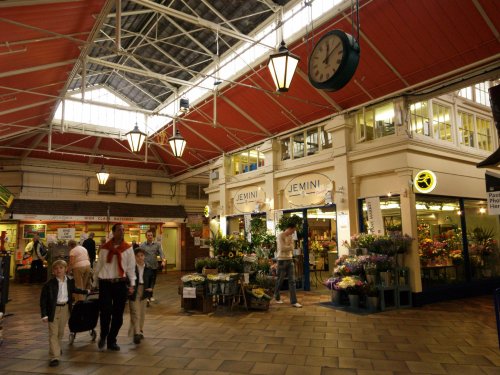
x: 457, y: 337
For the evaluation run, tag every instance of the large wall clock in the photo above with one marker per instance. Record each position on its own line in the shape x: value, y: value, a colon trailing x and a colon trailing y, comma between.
x: 333, y: 60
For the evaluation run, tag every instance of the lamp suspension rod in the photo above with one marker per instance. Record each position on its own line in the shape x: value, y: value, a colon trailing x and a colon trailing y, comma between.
x: 118, y: 6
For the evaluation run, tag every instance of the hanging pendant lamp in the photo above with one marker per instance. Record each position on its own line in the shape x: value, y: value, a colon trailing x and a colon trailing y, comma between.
x: 135, y: 139
x: 102, y: 175
x: 282, y: 65
x: 177, y: 143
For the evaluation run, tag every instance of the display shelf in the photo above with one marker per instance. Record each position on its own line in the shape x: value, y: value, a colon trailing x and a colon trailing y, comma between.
x: 388, y: 297
x: 404, y: 296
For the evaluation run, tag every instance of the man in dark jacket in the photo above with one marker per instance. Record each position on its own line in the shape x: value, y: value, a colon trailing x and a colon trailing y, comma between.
x: 55, y: 307
x: 89, y: 244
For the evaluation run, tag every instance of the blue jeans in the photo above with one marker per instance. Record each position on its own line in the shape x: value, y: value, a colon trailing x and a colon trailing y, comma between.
x: 286, y: 267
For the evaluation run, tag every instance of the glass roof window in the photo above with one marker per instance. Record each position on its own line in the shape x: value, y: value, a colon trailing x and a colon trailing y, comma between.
x: 87, y: 117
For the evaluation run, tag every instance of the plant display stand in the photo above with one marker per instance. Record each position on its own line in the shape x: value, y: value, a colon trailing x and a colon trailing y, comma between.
x: 387, y: 297
x: 404, y: 296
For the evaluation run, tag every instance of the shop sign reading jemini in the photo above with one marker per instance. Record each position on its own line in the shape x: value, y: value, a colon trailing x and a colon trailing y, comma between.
x: 247, y: 198
x: 308, y: 190
x: 425, y: 181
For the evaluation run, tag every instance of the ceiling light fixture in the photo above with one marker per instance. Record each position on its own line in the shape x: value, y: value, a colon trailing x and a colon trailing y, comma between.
x: 135, y: 139
x: 282, y: 64
x: 177, y: 142
x: 102, y: 175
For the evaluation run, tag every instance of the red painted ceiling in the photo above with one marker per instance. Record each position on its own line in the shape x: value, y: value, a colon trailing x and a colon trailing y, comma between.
x: 406, y: 46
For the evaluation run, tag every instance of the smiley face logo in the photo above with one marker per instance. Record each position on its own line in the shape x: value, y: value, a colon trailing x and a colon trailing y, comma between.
x: 425, y: 181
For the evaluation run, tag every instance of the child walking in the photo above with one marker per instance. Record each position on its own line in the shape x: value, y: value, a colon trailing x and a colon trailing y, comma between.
x: 55, y: 307
x: 142, y: 291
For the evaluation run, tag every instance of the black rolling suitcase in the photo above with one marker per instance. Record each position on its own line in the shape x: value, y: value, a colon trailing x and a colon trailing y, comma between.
x: 84, y: 317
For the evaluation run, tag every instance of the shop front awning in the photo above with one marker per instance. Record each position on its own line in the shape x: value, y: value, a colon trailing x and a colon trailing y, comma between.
x: 29, y: 209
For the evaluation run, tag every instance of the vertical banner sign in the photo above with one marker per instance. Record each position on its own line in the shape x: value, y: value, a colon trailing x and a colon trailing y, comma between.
x: 374, y: 213
x: 248, y: 218
x: 493, y: 191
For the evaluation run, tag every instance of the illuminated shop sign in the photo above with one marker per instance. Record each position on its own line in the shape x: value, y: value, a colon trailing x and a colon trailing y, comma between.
x: 308, y: 190
x: 425, y: 181
x: 249, y: 199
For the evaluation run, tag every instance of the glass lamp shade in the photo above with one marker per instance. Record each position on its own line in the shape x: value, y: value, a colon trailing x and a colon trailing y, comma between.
x: 177, y: 143
x: 102, y: 176
x: 282, y: 65
x: 135, y: 139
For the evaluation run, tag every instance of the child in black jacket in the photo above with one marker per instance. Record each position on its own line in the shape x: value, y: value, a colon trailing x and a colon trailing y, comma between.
x: 55, y: 307
x: 142, y: 291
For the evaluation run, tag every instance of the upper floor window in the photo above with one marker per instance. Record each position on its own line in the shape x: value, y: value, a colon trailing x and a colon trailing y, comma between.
x: 478, y: 93
x: 375, y: 122
x: 108, y: 188
x: 306, y: 142
x: 484, y: 139
x: 441, y: 122
x: 419, y: 117
x: 196, y: 191
x: 144, y: 189
x: 247, y: 161
x: 466, y: 128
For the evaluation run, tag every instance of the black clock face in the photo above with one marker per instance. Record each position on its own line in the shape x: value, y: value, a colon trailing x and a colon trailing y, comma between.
x: 333, y: 61
x: 326, y: 58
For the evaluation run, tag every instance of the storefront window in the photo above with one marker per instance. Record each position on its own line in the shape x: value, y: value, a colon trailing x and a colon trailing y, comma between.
x: 247, y: 161
x: 443, y: 258
x: 483, y: 234
x: 391, y: 215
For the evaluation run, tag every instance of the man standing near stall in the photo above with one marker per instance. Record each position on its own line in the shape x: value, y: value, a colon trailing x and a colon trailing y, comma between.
x: 116, y: 264
x: 152, y: 251
x: 38, y: 253
x: 89, y: 244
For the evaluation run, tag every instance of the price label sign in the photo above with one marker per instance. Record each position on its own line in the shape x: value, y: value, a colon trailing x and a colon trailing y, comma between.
x: 188, y: 292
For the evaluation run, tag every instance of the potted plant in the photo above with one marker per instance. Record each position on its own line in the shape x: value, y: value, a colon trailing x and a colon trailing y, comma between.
x: 371, y: 272
x: 292, y: 219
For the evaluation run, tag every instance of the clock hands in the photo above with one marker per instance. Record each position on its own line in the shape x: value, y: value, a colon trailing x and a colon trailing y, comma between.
x: 328, y: 54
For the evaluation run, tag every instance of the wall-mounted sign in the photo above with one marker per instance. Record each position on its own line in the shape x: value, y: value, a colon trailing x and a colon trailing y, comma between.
x: 29, y: 230
x: 308, y: 190
x: 249, y: 199
x: 66, y: 233
x: 425, y: 181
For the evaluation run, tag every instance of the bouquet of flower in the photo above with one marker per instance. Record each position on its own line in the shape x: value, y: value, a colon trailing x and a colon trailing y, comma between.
x: 347, y: 265
x: 193, y: 279
x: 316, y: 247
x: 352, y: 285
x: 456, y: 256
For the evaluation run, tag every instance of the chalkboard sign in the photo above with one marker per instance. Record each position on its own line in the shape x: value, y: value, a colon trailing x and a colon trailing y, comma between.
x: 30, y: 230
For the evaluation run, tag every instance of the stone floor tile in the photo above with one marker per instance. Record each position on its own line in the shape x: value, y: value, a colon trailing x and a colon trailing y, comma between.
x: 268, y: 368
x: 204, y: 364
x: 337, y: 371
x: 356, y: 363
x: 243, y: 367
x: 425, y: 368
x: 301, y: 370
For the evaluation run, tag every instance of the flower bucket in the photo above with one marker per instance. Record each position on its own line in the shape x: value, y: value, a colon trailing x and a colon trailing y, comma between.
x: 354, y: 301
x: 335, y: 297
x: 213, y: 287
x: 372, y: 303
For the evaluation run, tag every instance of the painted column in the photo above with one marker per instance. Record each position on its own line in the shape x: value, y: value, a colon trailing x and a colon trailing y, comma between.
x: 344, y: 198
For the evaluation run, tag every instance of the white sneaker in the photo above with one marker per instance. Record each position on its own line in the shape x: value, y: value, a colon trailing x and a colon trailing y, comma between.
x: 278, y: 301
x: 297, y: 305
x: 152, y: 299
